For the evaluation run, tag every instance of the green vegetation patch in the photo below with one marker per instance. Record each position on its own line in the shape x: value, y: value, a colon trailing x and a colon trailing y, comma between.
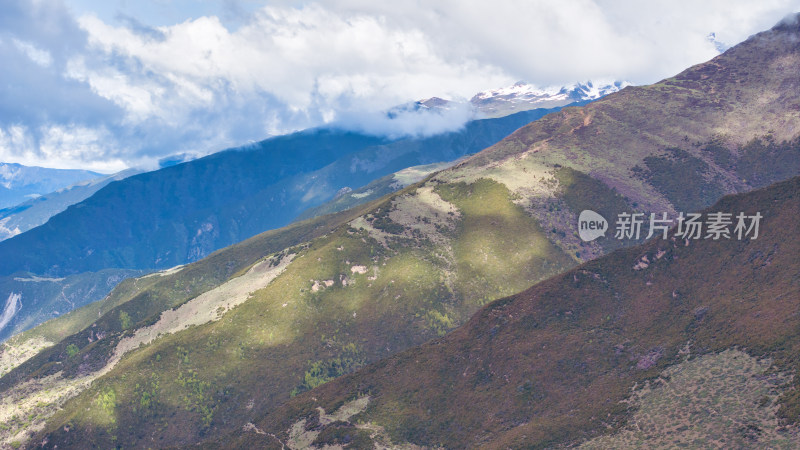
x: 321, y: 372
x: 498, y: 249
x: 72, y: 350
x: 581, y: 191
x: 106, y: 403
x: 764, y: 161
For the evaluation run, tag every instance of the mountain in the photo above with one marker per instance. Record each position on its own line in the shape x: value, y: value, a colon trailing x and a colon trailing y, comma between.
x: 36, y: 211
x: 19, y: 183
x: 523, y: 96
x: 209, y: 348
x: 183, y: 212
x: 697, y: 348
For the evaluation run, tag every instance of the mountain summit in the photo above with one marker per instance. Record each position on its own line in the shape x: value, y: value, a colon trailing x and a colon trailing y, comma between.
x: 522, y: 96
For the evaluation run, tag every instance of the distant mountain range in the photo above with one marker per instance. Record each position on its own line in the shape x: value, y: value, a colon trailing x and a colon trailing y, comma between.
x: 183, y: 212
x: 240, y: 345
x: 19, y: 183
x: 36, y: 211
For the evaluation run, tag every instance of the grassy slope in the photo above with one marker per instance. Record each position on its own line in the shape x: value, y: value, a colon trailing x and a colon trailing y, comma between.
x: 289, y: 337
x: 142, y: 298
x: 488, y: 227
x: 551, y: 365
x: 727, y: 399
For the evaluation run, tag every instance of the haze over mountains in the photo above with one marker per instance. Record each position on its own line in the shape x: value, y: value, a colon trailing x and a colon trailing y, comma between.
x: 36, y: 211
x: 213, y: 349
x: 19, y: 183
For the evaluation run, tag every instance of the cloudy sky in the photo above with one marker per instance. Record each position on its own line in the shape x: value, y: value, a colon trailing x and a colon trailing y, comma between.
x: 109, y: 84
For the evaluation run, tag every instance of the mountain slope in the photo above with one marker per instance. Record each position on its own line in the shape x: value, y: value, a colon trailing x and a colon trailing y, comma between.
x: 181, y: 213
x: 552, y: 365
x: 406, y: 268
x: 19, y: 183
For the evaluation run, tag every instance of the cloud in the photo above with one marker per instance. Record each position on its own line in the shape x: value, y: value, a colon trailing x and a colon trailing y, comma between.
x: 61, y: 146
x: 552, y: 41
x: 37, y: 55
x: 111, y: 89
x: 407, y: 120
x: 308, y: 59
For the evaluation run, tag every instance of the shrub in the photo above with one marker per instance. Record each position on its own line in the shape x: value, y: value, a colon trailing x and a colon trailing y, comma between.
x: 72, y: 350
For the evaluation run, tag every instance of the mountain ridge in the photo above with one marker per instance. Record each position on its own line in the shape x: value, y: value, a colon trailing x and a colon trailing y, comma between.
x: 522, y: 95
x: 19, y: 183
x: 34, y: 212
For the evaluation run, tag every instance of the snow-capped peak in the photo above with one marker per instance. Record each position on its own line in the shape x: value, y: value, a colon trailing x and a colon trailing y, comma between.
x: 593, y: 91
x: 525, y: 91
x: 519, y: 89
x: 523, y: 96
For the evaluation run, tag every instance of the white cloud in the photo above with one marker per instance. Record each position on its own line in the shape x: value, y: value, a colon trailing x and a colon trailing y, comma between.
x: 136, y: 99
x: 306, y: 58
x: 69, y: 147
x: 552, y: 41
x: 37, y: 55
x: 128, y: 93
x: 408, y: 121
